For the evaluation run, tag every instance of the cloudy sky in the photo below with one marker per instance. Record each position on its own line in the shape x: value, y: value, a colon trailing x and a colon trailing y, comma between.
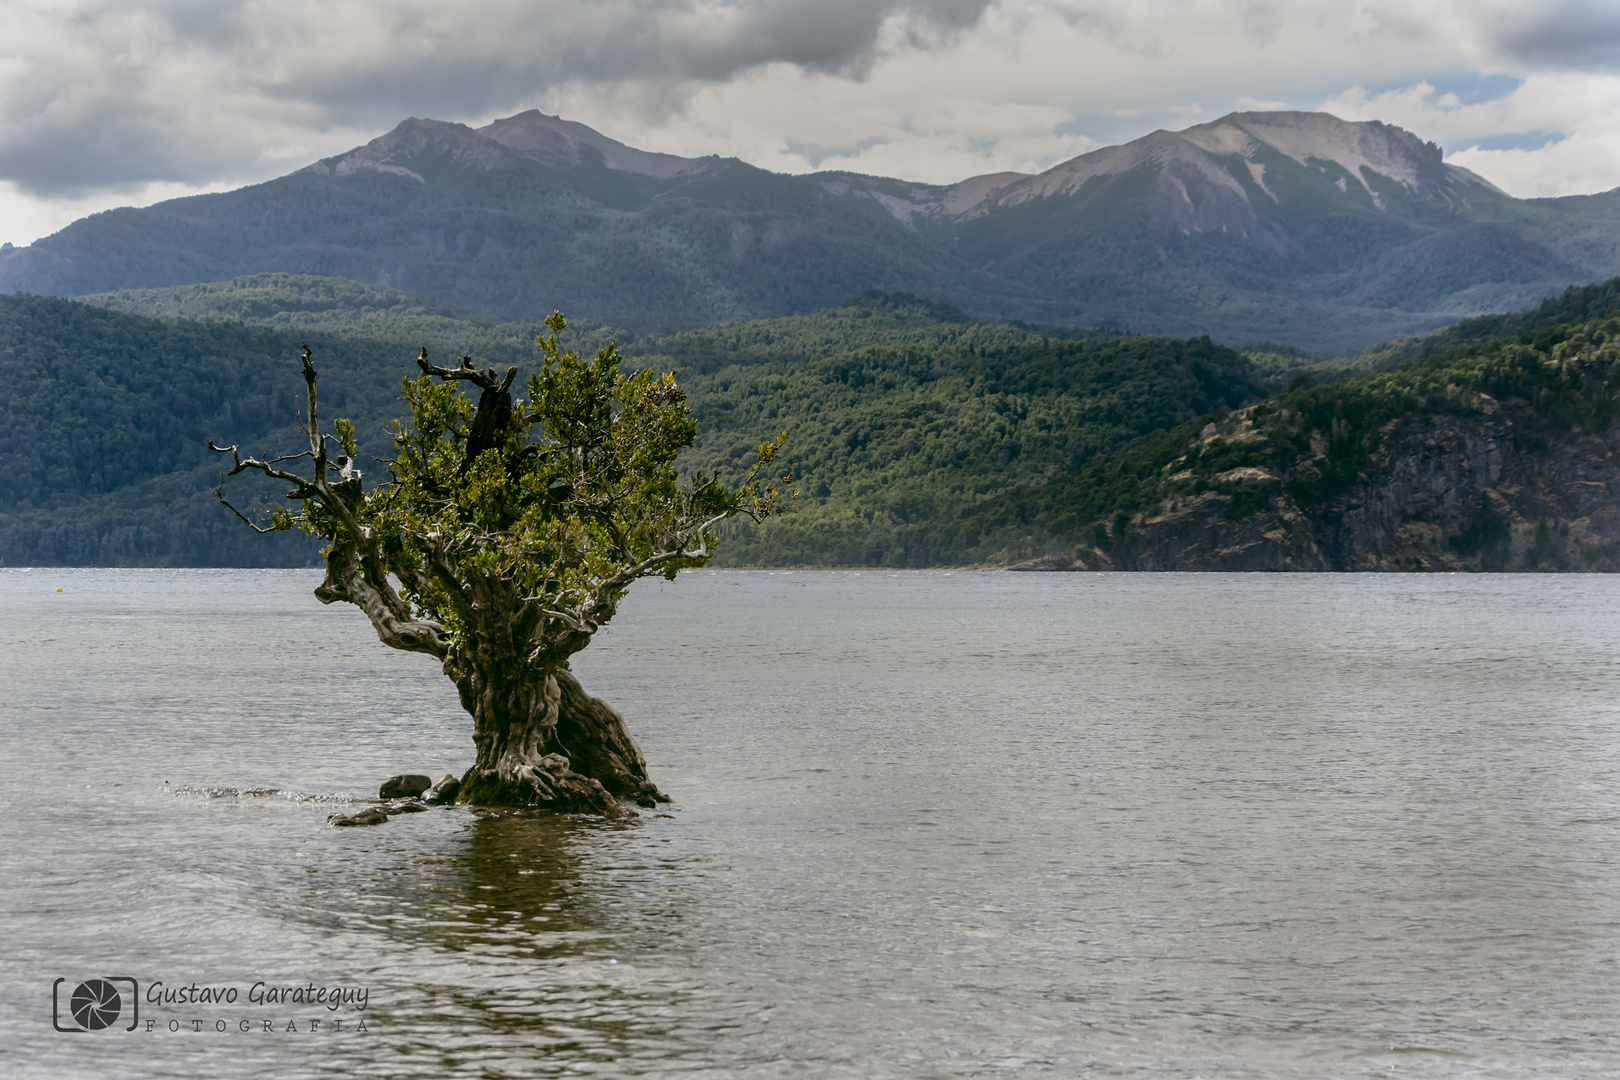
x: 106, y: 103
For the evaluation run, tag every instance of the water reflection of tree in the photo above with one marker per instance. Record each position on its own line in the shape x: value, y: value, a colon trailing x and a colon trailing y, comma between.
x: 506, y: 931
x: 519, y: 880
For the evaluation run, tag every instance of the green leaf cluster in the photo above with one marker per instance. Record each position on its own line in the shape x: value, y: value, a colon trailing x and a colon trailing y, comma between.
x: 534, y: 512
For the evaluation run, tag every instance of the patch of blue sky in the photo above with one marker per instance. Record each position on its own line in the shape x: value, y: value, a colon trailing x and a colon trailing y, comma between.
x: 1523, y: 140
x: 1111, y: 129
x: 816, y: 153
x: 1472, y: 88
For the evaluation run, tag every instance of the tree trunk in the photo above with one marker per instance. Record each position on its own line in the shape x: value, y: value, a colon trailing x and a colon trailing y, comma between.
x: 543, y: 741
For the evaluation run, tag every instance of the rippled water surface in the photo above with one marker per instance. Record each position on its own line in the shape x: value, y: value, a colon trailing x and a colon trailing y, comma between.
x: 928, y: 825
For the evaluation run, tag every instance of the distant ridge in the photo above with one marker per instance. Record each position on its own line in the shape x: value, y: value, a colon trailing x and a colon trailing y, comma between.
x: 504, y: 144
x: 1199, y: 160
x: 1298, y: 228
x: 564, y: 144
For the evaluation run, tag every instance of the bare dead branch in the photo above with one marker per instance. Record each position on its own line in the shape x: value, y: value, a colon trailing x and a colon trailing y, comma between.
x: 219, y: 493
x: 242, y: 464
x: 487, y: 379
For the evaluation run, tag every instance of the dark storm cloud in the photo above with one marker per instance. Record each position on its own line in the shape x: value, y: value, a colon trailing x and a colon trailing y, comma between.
x: 188, y: 90
x: 670, y: 44
x: 1581, y: 34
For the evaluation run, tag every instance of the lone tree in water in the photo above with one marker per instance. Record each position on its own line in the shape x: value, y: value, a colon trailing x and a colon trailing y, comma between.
x: 513, y: 529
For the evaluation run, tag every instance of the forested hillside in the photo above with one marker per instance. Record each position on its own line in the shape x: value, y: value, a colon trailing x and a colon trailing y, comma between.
x: 919, y: 436
x: 1499, y: 455
x: 325, y: 303
x: 1575, y: 304
x: 899, y: 413
x: 895, y: 442
x: 103, y: 418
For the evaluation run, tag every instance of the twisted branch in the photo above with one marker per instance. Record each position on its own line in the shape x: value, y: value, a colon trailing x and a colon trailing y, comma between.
x: 354, y: 572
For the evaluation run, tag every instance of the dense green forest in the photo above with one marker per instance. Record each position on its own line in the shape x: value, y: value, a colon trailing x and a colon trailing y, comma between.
x: 104, y: 416
x: 1576, y: 304
x: 897, y: 411
x: 892, y: 441
x: 1561, y: 378
x: 918, y: 435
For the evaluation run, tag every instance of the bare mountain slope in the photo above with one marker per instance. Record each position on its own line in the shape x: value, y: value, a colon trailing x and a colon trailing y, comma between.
x: 1294, y: 227
x: 564, y: 144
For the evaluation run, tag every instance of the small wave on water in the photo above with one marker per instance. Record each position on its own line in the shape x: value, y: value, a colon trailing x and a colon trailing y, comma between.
x: 221, y: 792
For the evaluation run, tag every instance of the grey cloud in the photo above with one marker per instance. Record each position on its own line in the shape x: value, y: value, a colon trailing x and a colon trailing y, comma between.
x: 1582, y: 34
x: 1261, y: 21
x: 93, y: 111
x: 216, y: 23
x: 667, y: 42
x: 103, y: 148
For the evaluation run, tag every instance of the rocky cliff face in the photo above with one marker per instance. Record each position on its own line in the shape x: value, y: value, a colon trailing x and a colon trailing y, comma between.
x: 1479, y: 492
x: 1220, y: 176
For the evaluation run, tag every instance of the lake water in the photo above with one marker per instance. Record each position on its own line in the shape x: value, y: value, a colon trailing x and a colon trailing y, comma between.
x: 928, y: 825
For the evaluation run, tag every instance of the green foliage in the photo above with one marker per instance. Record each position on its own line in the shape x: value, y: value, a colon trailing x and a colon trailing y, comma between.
x: 1566, y: 377
x: 555, y: 502
x: 900, y: 422
x: 919, y: 436
x: 102, y: 417
x: 902, y: 417
x: 1576, y: 305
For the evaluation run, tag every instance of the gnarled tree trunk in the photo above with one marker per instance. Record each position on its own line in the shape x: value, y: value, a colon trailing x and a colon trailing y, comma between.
x: 543, y: 741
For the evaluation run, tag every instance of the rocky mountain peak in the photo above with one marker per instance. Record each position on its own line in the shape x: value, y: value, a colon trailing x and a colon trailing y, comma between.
x: 566, y: 144
x: 1321, y: 137
x: 412, y: 138
x: 533, y: 136
x: 1209, y: 177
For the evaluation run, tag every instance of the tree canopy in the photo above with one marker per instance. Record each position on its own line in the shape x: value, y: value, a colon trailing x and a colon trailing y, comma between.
x: 560, y: 500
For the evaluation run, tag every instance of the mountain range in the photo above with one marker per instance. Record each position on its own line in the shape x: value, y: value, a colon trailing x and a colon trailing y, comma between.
x: 1291, y: 227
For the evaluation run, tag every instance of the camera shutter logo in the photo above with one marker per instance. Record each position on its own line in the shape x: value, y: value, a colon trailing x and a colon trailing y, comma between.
x: 96, y: 1004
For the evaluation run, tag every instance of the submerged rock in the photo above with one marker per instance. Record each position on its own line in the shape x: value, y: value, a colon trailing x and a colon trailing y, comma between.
x: 372, y: 815
x: 406, y: 806
x: 406, y: 786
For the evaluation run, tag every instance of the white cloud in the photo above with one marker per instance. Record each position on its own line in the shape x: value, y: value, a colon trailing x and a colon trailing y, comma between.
x: 787, y: 121
x: 25, y: 217
x: 1579, y: 165
x: 1562, y: 129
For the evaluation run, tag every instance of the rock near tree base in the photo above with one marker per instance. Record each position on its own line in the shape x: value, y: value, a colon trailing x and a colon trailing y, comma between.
x: 406, y: 786
x: 444, y: 792
x: 372, y: 815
